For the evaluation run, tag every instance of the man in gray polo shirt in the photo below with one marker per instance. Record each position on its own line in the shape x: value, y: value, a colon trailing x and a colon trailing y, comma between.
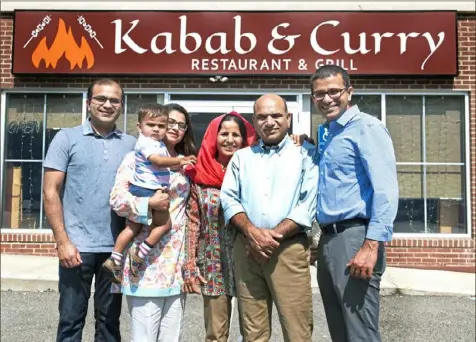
x: 80, y: 168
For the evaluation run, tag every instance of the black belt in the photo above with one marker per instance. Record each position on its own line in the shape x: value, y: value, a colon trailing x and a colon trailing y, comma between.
x: 339, y: 227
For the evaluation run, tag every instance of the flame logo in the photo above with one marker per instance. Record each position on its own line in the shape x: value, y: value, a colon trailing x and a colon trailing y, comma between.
x: 63, y: 44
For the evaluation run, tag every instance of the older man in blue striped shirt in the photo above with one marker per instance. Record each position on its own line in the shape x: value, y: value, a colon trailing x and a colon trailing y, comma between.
x: 269, y: 196
x: 357, y: 204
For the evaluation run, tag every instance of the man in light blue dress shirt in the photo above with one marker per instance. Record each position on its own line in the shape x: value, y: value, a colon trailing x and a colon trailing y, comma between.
x: 269, y: 196
x: 357, y: 204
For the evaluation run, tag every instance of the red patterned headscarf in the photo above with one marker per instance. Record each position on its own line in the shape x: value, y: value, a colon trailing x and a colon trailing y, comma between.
x: 208, y: 171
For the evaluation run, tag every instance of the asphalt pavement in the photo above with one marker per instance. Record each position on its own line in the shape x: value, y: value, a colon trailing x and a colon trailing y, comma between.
x: 32, y: 316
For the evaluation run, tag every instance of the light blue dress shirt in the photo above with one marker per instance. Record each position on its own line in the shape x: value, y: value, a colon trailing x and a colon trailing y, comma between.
x: 357, y: 174
x: 272, y: 184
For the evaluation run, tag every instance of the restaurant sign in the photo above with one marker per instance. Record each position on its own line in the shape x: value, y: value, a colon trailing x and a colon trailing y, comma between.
x: 240, y: 43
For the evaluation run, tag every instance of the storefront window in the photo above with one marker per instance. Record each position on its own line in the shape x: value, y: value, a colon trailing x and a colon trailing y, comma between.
x: 27, y: 140
x: 427, y: 132
x: 370, y: 104
x: 404, y: 122
x: 428, y: 137
x: 24, y: 127
x: 62, y: 110
x: 444, y: 129
x: 22, y: 203
x: 134, y: 102
x: 410, y: 217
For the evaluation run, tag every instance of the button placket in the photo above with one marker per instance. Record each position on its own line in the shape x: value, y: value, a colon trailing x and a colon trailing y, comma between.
x: 104, y: 143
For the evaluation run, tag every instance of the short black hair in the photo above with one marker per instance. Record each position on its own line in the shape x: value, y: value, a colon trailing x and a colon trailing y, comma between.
x: 104, y: 81
x: 329, y: 70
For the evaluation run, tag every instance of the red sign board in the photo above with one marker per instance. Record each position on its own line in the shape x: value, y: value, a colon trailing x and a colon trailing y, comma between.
x: 239, y: 43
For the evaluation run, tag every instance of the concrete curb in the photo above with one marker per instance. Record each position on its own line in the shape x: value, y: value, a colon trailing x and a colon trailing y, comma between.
x: 29, y: 285
x: 387, y: 288
x: 416, y: 292
x: 30, y: 274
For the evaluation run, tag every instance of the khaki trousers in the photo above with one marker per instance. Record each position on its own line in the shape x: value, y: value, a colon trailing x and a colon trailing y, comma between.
x: 285, y: 280
x: 217, y: 312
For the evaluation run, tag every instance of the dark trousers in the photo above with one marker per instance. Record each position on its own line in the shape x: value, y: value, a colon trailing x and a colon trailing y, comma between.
x: 351, y: 305
x: 75, y: 290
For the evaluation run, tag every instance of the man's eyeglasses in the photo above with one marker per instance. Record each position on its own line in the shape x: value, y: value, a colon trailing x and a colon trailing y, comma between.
x: 181, y: 126
x: 334, y: 93
x: 100, y: 100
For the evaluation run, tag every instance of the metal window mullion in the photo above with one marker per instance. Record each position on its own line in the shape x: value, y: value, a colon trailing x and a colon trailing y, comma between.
x: 3, y: 121
x: 423, y: 130
x: 166, y: 98
x: 383, y: 109
x: 430, y: 164
x: 467, y: 161
x: 124, y: 127
x: 43, y: 157
x: 23, y: 161
x: 85, y: 108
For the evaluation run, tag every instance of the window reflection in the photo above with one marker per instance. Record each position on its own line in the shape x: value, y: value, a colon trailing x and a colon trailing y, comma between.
x: 410, y: 216
x: 134, y: 102
x: 444, y: 117
x: 62, y: 110
x: 404, y: 116
x: 446, y: 199
x: 24, y: 128
x: 370, y: 104
x: 22, y: 195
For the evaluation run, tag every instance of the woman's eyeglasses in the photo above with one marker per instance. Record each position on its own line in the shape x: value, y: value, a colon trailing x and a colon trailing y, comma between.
x: 181, y: 125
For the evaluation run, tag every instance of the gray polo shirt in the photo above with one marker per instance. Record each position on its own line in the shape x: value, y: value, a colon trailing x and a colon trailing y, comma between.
x: 90, y: 162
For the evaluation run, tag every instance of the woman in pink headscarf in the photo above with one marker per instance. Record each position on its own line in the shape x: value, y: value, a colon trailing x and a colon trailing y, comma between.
x: 209, y: 242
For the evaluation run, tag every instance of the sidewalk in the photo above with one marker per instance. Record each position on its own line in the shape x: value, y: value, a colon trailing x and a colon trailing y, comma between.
x: 38, y: 273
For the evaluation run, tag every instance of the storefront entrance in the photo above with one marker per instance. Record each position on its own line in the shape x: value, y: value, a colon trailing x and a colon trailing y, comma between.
x: 204, y: 108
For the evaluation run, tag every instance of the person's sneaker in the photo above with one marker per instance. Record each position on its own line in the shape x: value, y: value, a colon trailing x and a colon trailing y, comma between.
x: 135, y: 261
x: 113, y: 271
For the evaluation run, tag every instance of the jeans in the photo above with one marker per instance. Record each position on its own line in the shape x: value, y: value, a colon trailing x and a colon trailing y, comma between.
x: 75, y: 290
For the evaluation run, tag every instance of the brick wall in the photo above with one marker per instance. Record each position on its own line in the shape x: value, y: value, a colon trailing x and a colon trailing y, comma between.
x: 443, y: 253
x: 24, y: 243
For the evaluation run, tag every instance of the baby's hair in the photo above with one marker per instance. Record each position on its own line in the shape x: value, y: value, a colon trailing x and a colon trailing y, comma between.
x: 153, y: 110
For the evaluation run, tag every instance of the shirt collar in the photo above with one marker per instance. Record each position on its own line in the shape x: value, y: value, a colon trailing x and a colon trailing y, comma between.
x: 348, y: 115
x: 344, y: 118
x: 88, y: 129
x: 277, y: 148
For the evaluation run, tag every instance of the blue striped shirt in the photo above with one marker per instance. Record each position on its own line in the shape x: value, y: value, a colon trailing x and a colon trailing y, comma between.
x: 146, y: 174
x: 357, y: 174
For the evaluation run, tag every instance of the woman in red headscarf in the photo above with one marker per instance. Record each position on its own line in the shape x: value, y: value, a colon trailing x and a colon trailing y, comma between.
x: 209, y: 242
